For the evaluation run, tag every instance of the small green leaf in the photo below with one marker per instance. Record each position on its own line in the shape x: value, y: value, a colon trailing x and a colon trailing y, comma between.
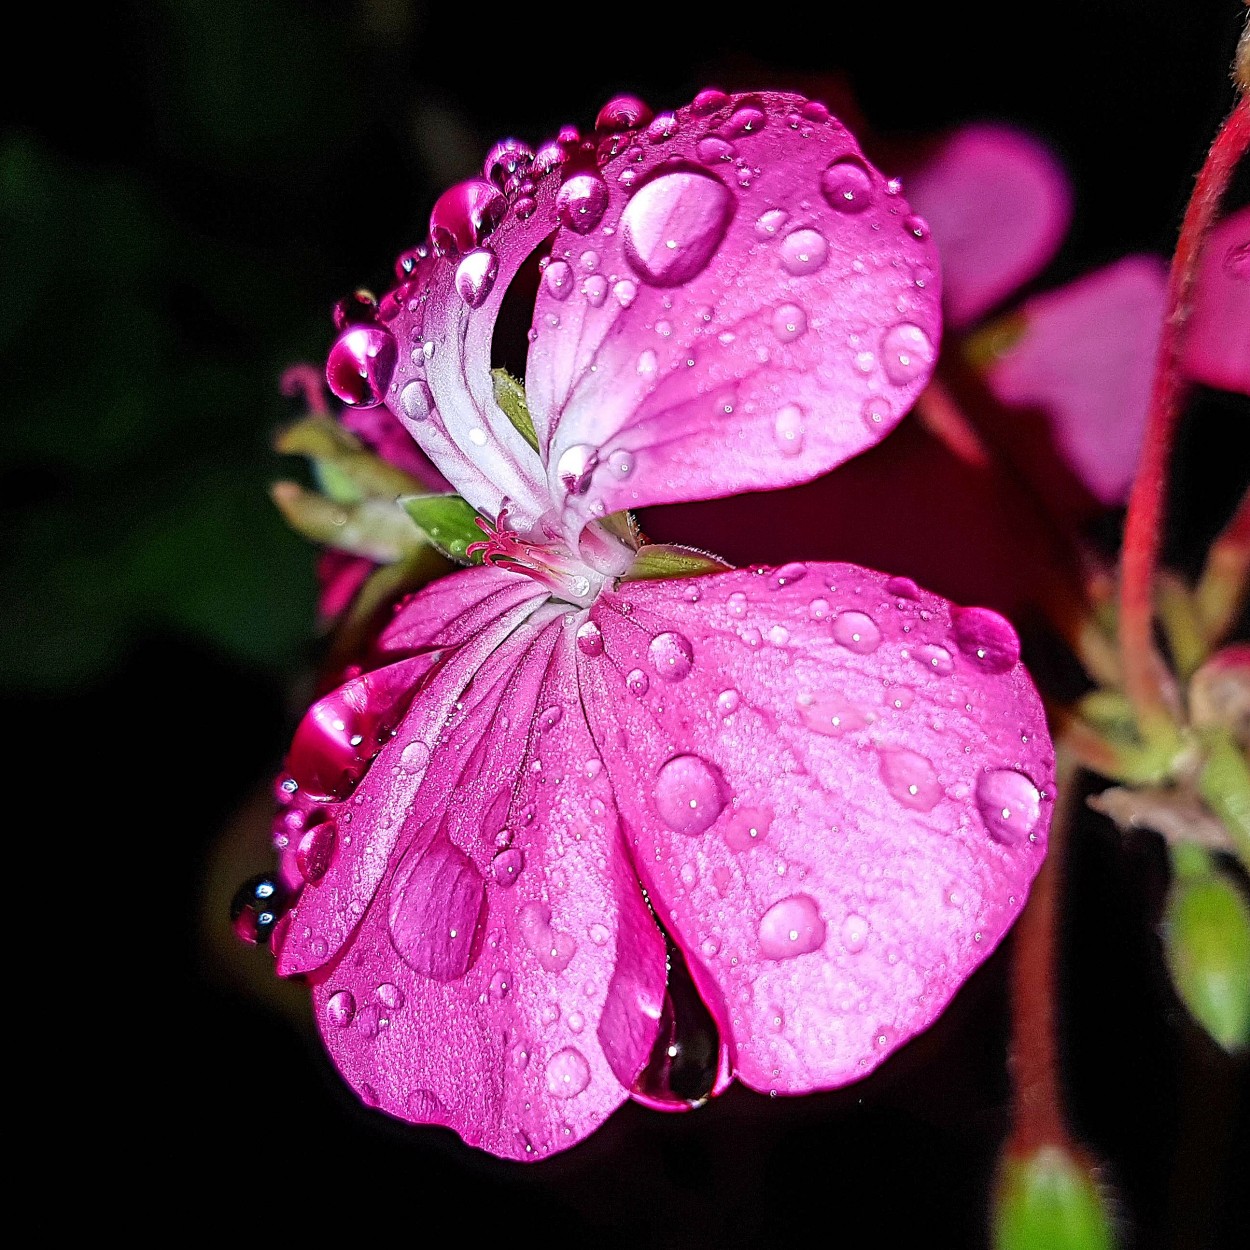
x: 1047, y: 1200
x: 1206, y: 935
x: 346, y: 470
x: 372, y: 528
x: 449, y: 523
x: 657, y: 561
x: 1224, y: 784
x: 510, y: 396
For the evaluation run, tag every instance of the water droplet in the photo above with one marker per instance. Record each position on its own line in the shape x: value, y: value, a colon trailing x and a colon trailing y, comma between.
x: 715, y: 151
x: 576, y: 466
x: 708, y: 101
x: 778, y: 635
x: 745, y: 120
x: 550, y: 717
x: 341, y: 1008
x: 553, y: 948
x: 595, y: 289
x: 906, y: 353
x: 437, y: 904
x: 910, y: 778
x: 803, y: 252
x: 637, y: 682
x: 902, y: 588
x: 791, y: 927
x: 788, y: 429
x: 475, y: 276
x: 257, y: 907
x: 689, y: 794
x: 590, y: 639
x: 464, y: 215
x: 315, y: 852
x: 854, y: 933
x: 415, y: 400
x: 819, y: 609
x: 770, y: 223
x: 621, y: 463
x: 671, y: 656
x: 581, y: 202
x: 876, y: 413
x: 568, y: 1073
x: 737, y: 604
x: 622, y: 112
x: 558, y: 279
x: 1009, y: 803
x: 747, y: 828
x: 506, y: 162
x: 847, y: 185
x: 856, y: 631
x: 361, y: 364
x: 673, y: 226
x: 728, y: 702
x: 506, y: 866
x: 986, y: 638
x: 415, y: 757
x: 788, y: 574
x: 789, y: 323
x: 916, y: 226
x: 599, y: 934
x: 525, y: 207
x: 829, y: 714
x: 934, y: 659
x: 647, y: 363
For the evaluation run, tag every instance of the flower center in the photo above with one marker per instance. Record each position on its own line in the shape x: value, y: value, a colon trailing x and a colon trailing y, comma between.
x: 550, y: 564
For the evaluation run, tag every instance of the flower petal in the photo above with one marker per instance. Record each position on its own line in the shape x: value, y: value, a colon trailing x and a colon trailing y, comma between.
x: 507, y: 979
x: 999, y: 205
x: 1216, y: 345
x: 838, y: 789
x: 447, y: 632
x: 735, y: 301
x: 1086, y: 357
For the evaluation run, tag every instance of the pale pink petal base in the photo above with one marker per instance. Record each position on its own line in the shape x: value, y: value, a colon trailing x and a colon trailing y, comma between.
x: 1216, y: 344
x: 1085, y: 358
x: 837, y: 788
x: 998, y: 204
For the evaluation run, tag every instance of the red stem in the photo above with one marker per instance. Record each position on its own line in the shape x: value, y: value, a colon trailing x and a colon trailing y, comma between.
x: 1142, y: 525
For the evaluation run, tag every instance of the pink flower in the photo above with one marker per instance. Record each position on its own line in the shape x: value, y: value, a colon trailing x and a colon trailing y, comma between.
x: 818, y: 792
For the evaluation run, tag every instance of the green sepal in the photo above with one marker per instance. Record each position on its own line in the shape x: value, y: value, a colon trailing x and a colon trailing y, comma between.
x: 1206, y: 939
x: 346, y: 470
x: 372, y: 528
x: 1129, y: 759
x: 510, y: 396
x: 663, y: 561
x: 448, y: 522
x: 1224, y: 784
x: 1047, y: 1200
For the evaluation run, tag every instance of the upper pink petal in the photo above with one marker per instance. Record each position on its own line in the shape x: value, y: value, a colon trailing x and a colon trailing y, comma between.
x: 1086, y: 357
x: 838, y: 789
x: 1216, y: 344
x: 506, y: 979
x: 999, y: 205
x: 735, y: 301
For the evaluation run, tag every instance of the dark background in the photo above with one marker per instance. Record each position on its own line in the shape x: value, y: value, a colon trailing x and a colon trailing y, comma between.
x: 185, y: 189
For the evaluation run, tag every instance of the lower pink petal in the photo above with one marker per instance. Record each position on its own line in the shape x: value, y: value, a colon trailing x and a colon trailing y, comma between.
x: 1216, y: 344
x: 837, y: 788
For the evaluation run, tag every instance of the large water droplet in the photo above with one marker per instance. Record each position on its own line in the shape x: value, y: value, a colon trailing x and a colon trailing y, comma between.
x: 728, y: 702
x: 829, y: 714
x: 770, y: 223
x: 685, y: 1066
x: 637, y: 682
x: 568, y: 1073
x: 415, y: 757
x: 506, y: 162
x: 558, y: 279
x: 315, y: 852
x: 590, y: 639
x: 622, y: 112
x: 464, y: 215
x: 934, y: 659
x: 437, y: 903
x: 856, y: 631
x: 415, y: 400
x: 789, y: 323
x: 553, y: 948
x: 390, y: 996
x: 1009, y: 804
x: 906, y: 353
x: 788, y: 429
x: 595, y: 289
x: 910, y: 777
x: 671, y: 656
x: 746, y: 119
x: 803, y: 252
x: 986, y: 638
x: 689, y: 794
x: 708, y: 101
x: 501, y: 985
x: 341, y: 1008
x: 576, y: 467
x: 791, y: 927
x: 673, y: 226
x: 713, y: 150
x: 506, y: 866
x: 747, y: 828
x: 847, y: 185
x: 475, y: 276
x: 361, y: 364
x: 581, y: 202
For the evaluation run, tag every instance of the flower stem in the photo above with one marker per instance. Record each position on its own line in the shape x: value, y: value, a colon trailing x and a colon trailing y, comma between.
x: 1142, y: 665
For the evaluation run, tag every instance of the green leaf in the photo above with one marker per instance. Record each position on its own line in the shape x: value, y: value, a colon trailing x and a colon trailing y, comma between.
x: 346, y: 470
x: 1206, y: 933
x: 372, y: 528
x: 510, y: 396
x: 663, y: 561
x: 1224, y: 784
x: 1047, y: 1200
x: 449, y: 523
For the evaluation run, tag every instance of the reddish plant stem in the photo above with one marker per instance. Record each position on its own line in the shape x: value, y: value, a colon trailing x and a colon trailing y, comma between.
x: 1142, y: 665
x: 1035, y: 1070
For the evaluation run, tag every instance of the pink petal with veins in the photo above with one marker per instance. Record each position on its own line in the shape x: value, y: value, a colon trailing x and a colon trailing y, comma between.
x: 1086, y: 358
x: 999, y: 205
x: 1216, y: 344
x: 838, y: 790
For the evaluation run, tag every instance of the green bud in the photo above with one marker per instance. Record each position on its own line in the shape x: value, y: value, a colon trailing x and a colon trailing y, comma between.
x: 1206, y: 938
x: 1048, y: 1200
x: 448, y: 521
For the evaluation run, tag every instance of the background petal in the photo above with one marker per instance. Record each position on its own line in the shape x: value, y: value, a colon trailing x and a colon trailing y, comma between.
x: 999, y: 204
x: 1216, y: 342
x: 838, y: 789
x: 1085, y: 356
x: 742, y: 303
